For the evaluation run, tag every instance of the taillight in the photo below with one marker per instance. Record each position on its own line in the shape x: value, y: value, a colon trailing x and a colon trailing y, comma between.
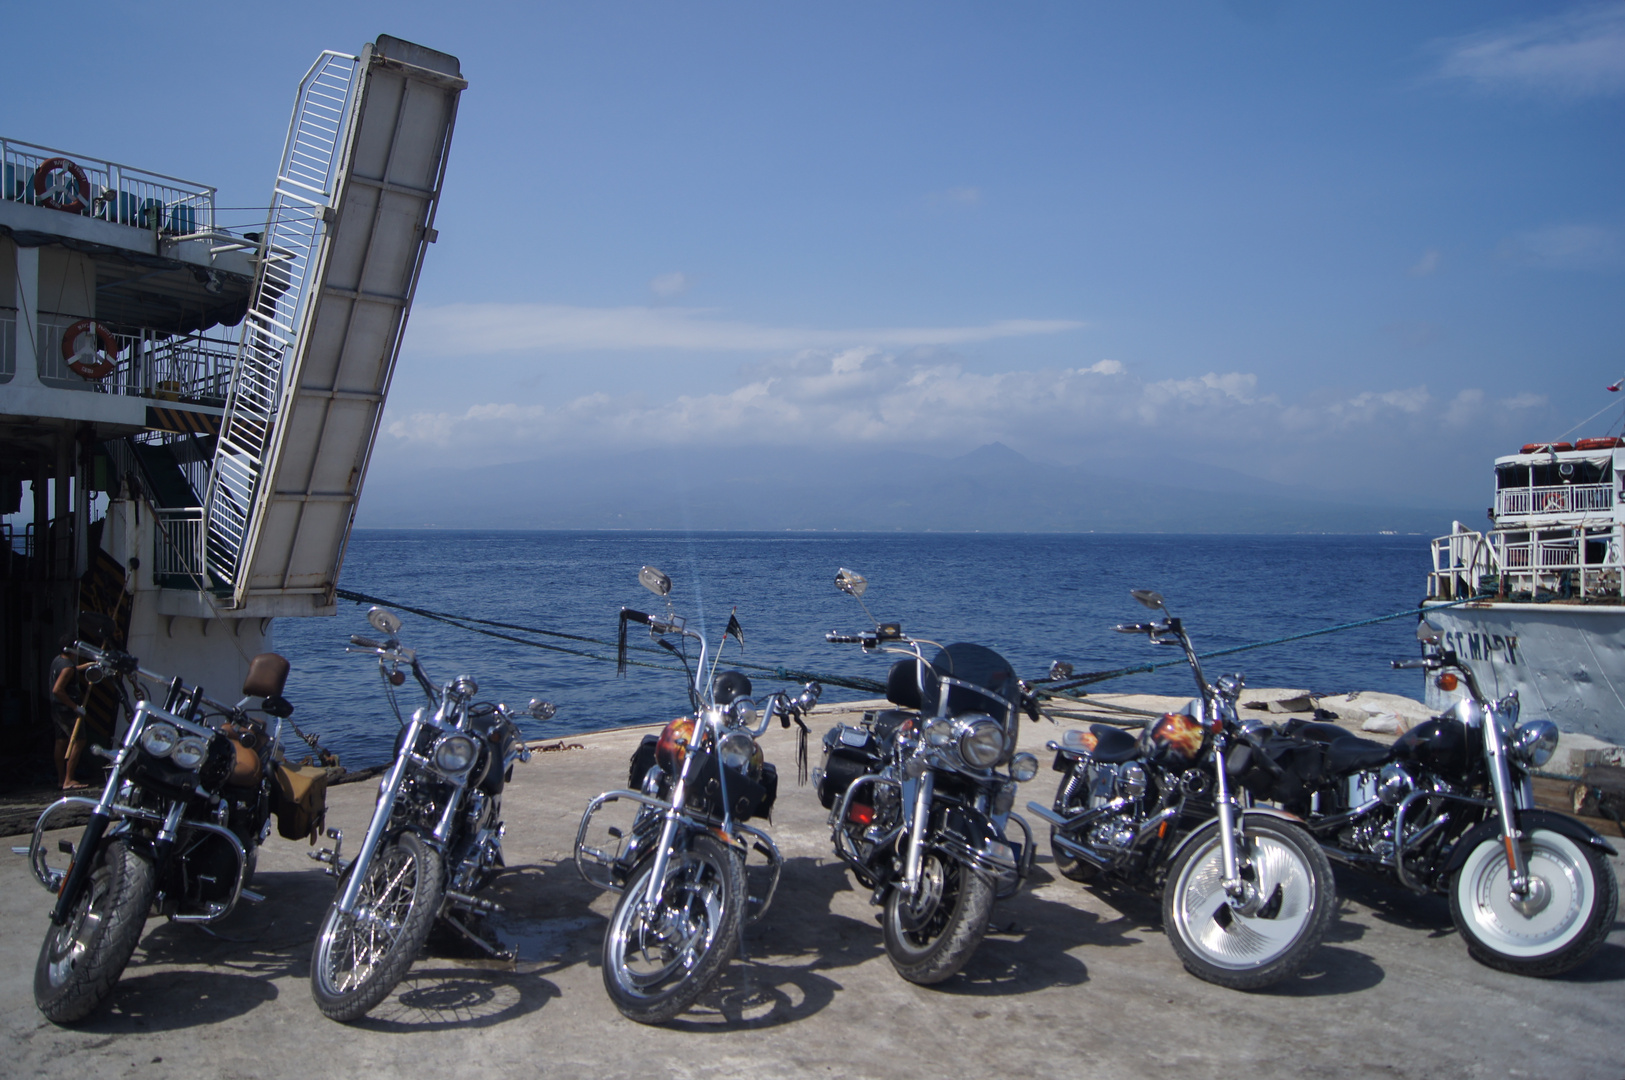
x: 860, y: 814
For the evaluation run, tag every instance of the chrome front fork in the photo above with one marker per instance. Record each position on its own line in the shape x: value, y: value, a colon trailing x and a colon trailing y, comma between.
x: 924, y: 787
x: 1528, y: 894
x: 1240, y: 891
x: 381, y: 812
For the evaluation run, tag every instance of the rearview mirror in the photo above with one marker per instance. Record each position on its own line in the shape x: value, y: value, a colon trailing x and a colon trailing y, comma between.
x: 1149, y: 597
x: 385, y: 622
x: 541, y: 710
x: 1428, y: 634
x: 853, y: 584
x: 655, y: 581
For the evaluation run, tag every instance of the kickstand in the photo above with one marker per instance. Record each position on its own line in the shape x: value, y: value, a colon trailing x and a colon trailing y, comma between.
x: 497, y: 951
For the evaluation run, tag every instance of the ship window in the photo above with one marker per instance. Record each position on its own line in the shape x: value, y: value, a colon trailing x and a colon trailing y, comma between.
x: 1512, y: 476
x: 1579, y: 472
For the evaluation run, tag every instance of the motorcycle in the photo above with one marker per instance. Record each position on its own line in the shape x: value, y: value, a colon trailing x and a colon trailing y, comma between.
x: 918, y: 807
x: 1246, y: 892
x: 681, y: 869
x: 1449, y: 808
x: 434, y: 839
x: 176, y: 830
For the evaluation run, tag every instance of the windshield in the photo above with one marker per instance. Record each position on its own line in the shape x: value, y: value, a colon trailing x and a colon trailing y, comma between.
x: 980, y: 666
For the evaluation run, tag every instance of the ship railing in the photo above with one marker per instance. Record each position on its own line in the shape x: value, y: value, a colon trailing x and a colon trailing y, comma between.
x: 178, y: 559
x: 1577, y: 562
x: 117, y: 193
x: 193, y: 368
x: 1554, y: 499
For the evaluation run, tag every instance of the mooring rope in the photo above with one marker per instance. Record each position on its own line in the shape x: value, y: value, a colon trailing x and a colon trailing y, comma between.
x: 1070, y: 691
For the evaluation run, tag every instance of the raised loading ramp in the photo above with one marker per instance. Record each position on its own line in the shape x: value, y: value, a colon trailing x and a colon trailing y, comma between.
x: 353, y: 212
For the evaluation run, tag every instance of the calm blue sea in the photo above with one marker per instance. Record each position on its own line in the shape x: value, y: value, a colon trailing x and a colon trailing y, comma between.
x: 1034, y: 598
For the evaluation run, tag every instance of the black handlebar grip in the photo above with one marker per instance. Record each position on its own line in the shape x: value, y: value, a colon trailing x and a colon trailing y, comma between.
x: 1410, y: 663
x: 841, y: 639
x: 365, y: 643
x: 635, y: 616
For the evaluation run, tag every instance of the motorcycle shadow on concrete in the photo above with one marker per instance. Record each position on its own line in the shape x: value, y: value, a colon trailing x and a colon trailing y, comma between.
x: 782, y: 972
x: 456, y: 984
x: 184, y: 976
x: 1329, y: 971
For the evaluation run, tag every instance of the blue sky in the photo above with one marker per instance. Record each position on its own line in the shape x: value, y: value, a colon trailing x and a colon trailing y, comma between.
x: 1359, y: 246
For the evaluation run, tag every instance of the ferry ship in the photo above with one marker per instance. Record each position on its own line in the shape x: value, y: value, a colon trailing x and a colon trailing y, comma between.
x: 190, y: 409
x: 1546, y: 594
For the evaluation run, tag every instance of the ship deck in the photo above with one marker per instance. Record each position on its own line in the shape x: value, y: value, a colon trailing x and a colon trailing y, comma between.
x: 1068, y: 983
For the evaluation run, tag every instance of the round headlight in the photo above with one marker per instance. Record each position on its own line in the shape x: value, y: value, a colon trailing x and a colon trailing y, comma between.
x: 742, y: 711
x: 1534, y: 743
x: 736, y: 749
x: 939, y: 733
x: 189, y: 752
x: 982, y: 743
x: 1023, y: 767
x: 454, y: 754
x: 159, y: 739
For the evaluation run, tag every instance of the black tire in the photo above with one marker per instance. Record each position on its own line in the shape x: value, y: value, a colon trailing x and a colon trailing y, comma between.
x: 359, y: 958
x: 1582, y: 897
x: 1219, y: 944
x: 81, y: 961
x: 654, y: 968
x: 931, y: 938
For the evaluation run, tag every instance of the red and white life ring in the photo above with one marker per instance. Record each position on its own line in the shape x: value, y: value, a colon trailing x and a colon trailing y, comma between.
x: 1553, y: 504
x: 73, y: 204
x: 99, y: 364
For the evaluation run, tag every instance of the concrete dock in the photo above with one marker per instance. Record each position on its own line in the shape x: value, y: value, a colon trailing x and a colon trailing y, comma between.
x: 1069, y: 983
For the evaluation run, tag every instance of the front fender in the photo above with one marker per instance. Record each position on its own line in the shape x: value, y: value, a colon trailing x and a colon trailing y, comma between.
x: 1241, y: 825
x: 966, y: 834
x: 1528, y: 820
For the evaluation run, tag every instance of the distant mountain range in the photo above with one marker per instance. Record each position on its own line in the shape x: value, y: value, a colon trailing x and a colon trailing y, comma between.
x: 990, y: 489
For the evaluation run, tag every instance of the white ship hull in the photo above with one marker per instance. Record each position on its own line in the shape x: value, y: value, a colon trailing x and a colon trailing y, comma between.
x: 1567, y: 661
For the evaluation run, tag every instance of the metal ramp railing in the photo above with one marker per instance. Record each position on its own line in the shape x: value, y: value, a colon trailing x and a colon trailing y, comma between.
x: 301, y: 206
x: 357, y: 194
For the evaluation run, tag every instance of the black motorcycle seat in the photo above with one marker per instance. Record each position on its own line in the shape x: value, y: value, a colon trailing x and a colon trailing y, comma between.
x: 886, y: 723
x: 1352, y: 754
x: 1318, y: 730
x: 1113, y: 746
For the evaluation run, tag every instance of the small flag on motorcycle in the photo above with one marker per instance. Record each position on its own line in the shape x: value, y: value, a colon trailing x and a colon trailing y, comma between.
x: 734, y: 629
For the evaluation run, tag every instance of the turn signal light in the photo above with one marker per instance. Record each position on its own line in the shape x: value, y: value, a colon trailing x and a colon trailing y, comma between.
x: 1447, y: 681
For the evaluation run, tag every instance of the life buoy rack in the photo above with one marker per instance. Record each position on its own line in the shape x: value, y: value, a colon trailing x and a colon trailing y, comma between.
x: 99, y: 364
x: 74, y: 204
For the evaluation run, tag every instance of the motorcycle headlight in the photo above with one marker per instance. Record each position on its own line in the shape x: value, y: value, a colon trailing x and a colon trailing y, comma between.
x: 743, y: 712
x: 736, y: 749
x: 1023, y: 767
x: 982, y: 742
x: 939, y: 733
x: 454, y: 754
x: 159, y: 739
x: 189, y: 752
x: 1534, y: 743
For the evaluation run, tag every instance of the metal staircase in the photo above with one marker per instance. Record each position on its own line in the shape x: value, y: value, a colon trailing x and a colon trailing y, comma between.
x: 352, y: 212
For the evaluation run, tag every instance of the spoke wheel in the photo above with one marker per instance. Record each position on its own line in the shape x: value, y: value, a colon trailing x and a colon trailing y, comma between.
x: 360, y: 957
x: 81, y: 961
x: 1578, y: 897
x: 930, y: 937
x: 659, y: 958
x: 1219, y: 943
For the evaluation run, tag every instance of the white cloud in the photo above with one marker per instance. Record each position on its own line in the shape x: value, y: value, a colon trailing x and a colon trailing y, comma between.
x: 1575, y: 55
x: 673, y: 284
x: 1566, y: 247
x: 1427, y: 265
x: 955, y: 196
x: 1524, y: 400
x: 475, y: 329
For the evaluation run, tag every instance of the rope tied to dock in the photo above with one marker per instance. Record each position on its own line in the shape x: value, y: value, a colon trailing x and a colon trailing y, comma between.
x: 494, y: 628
